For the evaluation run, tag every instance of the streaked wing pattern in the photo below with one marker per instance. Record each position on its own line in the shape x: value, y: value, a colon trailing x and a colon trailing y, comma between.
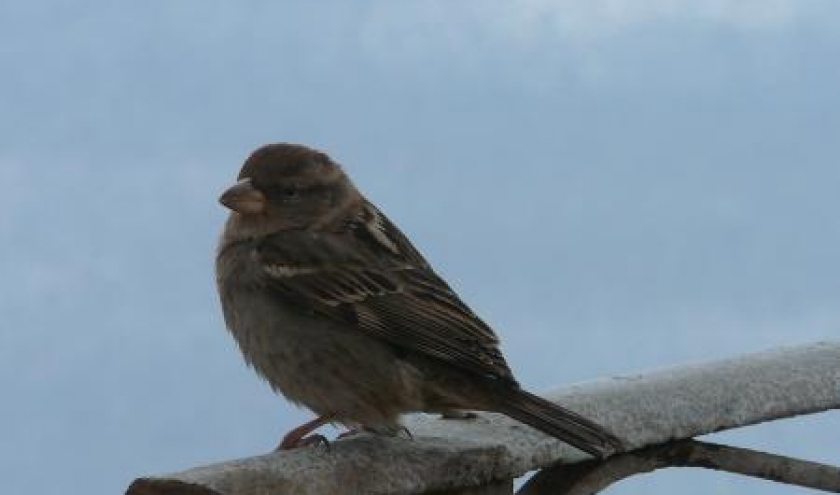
x: 368, y: 275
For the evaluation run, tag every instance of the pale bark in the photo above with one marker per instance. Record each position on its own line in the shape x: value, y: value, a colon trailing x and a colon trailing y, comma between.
x: 644, y: 409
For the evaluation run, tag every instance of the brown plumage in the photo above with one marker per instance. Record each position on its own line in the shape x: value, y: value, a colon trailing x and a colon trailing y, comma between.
x: 331, y: 303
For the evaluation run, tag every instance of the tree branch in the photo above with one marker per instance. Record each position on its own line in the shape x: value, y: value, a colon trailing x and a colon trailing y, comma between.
x: 591, y: 477
x: 649, y: 409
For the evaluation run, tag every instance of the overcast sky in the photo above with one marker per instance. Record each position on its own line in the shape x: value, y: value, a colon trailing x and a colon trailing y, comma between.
x: 616, y: 186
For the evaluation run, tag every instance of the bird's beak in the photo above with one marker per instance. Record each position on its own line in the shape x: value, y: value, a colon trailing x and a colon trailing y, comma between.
x: 244, y: 198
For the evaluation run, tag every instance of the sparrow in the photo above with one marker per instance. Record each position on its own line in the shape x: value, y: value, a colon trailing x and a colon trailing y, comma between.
x: 335, y: 308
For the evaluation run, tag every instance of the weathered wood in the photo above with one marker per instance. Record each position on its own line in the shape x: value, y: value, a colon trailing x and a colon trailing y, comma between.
x: 590, y: 477
x: 645, y: 409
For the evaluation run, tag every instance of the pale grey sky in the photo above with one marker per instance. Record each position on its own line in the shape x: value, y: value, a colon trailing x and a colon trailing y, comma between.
x: 616, y: 186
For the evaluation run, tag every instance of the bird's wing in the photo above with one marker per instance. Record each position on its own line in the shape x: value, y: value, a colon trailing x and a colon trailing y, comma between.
x: 368, y: 275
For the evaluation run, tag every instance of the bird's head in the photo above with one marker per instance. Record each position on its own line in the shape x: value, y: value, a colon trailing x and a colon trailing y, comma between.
x: 288, y: 186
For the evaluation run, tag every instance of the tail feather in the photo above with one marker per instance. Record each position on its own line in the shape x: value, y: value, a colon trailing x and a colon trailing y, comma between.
x: 559, y: 422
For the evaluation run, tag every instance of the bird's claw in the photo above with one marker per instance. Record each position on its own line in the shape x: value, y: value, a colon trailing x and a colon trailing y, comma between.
x: 296, y: 443
x: 349, y: 433
x: 405, y: 431
x: 457, y: 414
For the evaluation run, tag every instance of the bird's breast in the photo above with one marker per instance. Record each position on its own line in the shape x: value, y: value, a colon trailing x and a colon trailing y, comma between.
x: 326, y: 365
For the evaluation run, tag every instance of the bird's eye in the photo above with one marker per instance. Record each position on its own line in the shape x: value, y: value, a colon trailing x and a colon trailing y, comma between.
x: 288, y: 195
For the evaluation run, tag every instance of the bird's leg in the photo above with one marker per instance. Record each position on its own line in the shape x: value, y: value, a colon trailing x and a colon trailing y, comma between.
x: 349, y: 433
x: 298, y: 437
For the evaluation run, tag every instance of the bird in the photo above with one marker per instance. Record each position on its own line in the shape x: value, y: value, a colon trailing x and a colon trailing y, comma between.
x: 335, y: 308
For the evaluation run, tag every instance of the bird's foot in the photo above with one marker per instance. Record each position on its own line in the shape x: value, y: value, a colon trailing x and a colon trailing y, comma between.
x: 457, y: 414
x: 350, y: 433
x: 317, y: 439
x: 390, y: 431
x: 406, y: 433
x: 300, y: 436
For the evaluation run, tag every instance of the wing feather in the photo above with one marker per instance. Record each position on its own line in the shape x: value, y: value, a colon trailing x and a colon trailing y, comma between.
x: 368, y: 275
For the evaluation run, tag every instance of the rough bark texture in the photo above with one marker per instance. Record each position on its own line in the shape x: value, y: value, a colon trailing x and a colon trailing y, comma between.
x: 645, y: 409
